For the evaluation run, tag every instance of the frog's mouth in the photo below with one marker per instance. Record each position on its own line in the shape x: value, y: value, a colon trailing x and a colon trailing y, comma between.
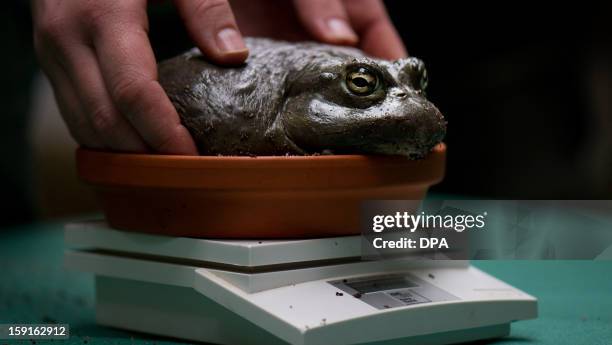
x: 410, y: 140
x: 411, y: 150
x: 411, y: 146
x: 411, y: 131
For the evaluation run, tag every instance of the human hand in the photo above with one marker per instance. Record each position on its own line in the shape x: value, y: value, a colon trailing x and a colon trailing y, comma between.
x: 100, y: 63
x: 363, y: 23
x: 99, y: 60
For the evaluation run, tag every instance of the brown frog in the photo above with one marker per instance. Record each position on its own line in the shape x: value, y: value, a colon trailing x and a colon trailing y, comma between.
x: 304, y: 98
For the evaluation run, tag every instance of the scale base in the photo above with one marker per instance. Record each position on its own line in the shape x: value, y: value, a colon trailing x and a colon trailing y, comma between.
x: 181, y: 312
x: 299, y: 292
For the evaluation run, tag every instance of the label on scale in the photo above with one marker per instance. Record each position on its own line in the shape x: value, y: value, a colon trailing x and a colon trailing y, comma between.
x: 392, y: 290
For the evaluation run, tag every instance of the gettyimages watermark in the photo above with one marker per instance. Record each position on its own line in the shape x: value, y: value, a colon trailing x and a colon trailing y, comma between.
x: 428, y: 223
x: 486, y: 229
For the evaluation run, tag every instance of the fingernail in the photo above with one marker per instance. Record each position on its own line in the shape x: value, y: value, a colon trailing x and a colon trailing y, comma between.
x: 340, y: 29
x: 230, y: 40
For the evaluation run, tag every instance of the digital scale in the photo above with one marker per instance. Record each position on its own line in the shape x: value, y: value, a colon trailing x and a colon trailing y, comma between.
x: 300, y: 292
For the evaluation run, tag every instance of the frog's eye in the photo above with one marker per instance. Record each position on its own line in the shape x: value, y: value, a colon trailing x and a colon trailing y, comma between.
x: 362, y: 81
x: 424, y: 80
x: 414, y: 70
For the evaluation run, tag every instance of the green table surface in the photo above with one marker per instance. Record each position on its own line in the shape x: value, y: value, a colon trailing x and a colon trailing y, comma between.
x: 575, y: 297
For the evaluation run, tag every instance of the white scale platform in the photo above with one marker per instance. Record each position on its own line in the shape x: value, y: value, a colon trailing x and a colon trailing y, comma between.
x: 301, y: 292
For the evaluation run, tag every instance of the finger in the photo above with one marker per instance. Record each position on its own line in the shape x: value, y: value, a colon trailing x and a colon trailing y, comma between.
x: 48, y: 50
x: 285, y: 26
x: 130, y: 71
x: 212, y: 26
x: 111, y: 127
x: 377, y: 34
x: 326, y: 20
x: 70, y: 108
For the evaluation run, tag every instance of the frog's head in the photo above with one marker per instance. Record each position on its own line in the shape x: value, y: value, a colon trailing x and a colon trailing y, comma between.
x: 362, y: 105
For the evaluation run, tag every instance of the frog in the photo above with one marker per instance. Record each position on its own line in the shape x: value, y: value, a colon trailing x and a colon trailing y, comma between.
x: 304, y: 98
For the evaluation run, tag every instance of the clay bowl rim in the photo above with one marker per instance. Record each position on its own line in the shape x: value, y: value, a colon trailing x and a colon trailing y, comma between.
x: 108, y: 168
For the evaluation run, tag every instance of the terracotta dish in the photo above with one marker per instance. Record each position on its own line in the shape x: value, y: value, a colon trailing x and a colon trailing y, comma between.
x: 250, y: 197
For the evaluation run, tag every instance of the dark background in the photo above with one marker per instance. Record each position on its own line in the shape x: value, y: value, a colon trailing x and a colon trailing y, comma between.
x: 525, y: 91
x: 519, y: 86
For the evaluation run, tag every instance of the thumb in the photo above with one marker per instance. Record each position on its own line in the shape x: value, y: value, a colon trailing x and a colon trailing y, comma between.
x: 326, y: 20
x: 211, y: 24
